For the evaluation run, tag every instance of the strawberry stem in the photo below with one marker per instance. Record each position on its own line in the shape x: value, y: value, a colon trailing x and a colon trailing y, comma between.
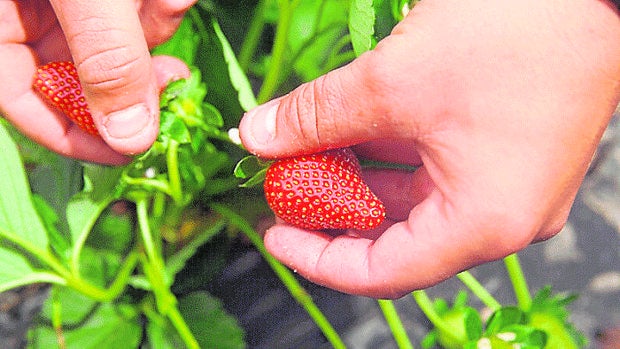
x: 154, y: 270
x: 519, y: 283
x: 427, y: 307
x: 395, y: 324
x: 278, y: 54
x: 252, y: 38
x: 285, y: 275
x: 477, y: 289
x: 174, y: 178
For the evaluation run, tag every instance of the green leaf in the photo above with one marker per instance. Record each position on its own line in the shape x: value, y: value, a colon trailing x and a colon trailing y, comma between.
x: 17, y: 213
x: 206, y: 318
x: 385, y: 17
x: 461, y: 299
x: 549, y: 313
x: 560, y: 335
x: 58, y: 241
x: 253, y: 169
x: 229, y: 88
x: 19, y: 223
x: 209, y: 322
x: 110, y: 325
x: 362, y: 25
x: 503, y: 318
x: 525, y: 336
x: 113, y: 230
x: 75, y: 305
x: 465, y: 325
x: 429, y: 340
x: 84, y: 208
x: 317, y: 34
x: 174, y: 128
x: 16, y: 270
x: 183, y: 44
x: 473, y: 324
x: 161, y: 335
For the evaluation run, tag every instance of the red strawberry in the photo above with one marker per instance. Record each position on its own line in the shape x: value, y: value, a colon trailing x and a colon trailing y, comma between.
x: 59, y: 83
x: 322, y: 191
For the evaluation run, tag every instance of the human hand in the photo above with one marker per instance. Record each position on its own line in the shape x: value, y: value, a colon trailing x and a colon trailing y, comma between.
x: 500, y: 103
x: 109, y: 42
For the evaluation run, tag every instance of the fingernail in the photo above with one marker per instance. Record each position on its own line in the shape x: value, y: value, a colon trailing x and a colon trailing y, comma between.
x: 128, y: 122
x: 263, y: 122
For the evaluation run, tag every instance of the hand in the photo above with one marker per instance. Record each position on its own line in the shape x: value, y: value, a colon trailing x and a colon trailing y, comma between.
x: 500, y: 103
x: 109, y: 42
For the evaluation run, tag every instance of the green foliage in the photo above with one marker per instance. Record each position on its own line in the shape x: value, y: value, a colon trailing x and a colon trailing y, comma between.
x: 372, y: 20
x: 107, y: 326
x: 544, y: 326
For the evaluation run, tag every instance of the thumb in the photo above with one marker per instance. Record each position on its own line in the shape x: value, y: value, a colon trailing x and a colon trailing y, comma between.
x: 109, y: 49
x: 344, y: 107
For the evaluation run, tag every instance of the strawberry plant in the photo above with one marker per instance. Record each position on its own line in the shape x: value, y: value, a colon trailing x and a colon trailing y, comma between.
x: 114, y: 243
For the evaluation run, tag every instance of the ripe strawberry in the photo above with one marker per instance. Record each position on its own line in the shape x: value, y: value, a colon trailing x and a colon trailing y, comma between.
x: 59, y: 83
x: 322, y: 191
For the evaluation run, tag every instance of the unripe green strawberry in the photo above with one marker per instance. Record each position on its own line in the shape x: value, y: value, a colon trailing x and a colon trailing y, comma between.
x: 322, y: 191
x: 58, y: 82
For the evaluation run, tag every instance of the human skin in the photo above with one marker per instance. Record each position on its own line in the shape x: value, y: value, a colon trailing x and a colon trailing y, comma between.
x: 109, y: 42
x: 501, y: 104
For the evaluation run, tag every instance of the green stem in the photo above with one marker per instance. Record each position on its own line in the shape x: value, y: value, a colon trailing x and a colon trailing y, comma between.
x: 43, y: 255
x: 177, y: 320
x: 145, y: 230
x: 57, y: 319
x: 122, y: 276
x: 154, y: 270
x: 476, y: 288
x: 84, y: 233
x: 285, y: 275
x: 166, y: 302
x: 278, y: 53
x: 150, y: 183
x: 519, y: 283
x: 174, y: 177
x: 252, y: 38
x: 426, y: 305
x: 72, y: 280
x: 395, y: 324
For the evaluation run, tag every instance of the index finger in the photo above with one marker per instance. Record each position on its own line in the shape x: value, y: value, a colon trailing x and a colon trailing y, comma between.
x: 112, y: 58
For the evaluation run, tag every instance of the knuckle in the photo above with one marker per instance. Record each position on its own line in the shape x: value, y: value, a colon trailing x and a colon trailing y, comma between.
x: 111, y: 68
x: 301, y: 115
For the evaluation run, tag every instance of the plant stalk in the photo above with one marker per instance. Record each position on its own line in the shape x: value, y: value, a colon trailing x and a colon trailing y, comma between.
x: 174, y: 177
x: 154, y: 270
x: 476, y: 288
x: 519, y: 283
x: 252, y: 38
x: 278, y: 53
x: 426, y: 305
x: 285, y: 275
x: 395, y: 324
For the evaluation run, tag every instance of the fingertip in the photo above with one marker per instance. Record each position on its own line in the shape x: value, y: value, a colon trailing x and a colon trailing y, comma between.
x: 168, y: 69
x: 258, y: 129
x: 132, y: 130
